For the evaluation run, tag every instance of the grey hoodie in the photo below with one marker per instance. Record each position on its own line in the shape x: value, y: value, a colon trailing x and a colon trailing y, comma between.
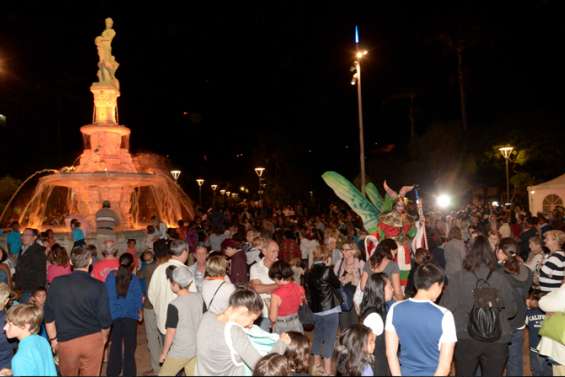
x: 458, y: 297
x: 521, y: 284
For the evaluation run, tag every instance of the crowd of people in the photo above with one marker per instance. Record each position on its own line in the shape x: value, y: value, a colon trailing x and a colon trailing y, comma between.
x: 277, y: 291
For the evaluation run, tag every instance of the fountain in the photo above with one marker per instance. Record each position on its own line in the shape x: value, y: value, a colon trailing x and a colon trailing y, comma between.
x: 107, y: 170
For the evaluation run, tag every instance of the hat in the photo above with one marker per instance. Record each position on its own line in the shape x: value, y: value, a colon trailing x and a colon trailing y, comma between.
x: 229, y: 242
x: 375, y: 323
x: 182, y: 276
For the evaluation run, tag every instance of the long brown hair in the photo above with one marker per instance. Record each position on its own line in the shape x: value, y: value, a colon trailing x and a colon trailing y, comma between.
x: 509, y: 248
x: 58, y: 255
x: 480, y: 254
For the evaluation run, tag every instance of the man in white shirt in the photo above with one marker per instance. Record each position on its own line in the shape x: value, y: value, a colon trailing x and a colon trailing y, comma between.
x: 262, y: 283
x: 159, y: 292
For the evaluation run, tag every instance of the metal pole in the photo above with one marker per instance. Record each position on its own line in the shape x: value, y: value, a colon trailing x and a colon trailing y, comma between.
x: 361, y: 133
x: 507, y: 183
x: 200, y: 195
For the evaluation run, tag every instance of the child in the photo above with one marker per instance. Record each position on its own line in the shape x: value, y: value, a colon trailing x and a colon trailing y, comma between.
x: 272, y: 364
x: 132, y: 249
x: 38, y: 298
x: 540, y: 365
x: 77, y: 234
x: 535, y: 258
x: 183, y: 318
x: 34, y: 356
x: 298, y: 353
x: 151, y: 235
x: 6, y: 347
x: 354, y: 352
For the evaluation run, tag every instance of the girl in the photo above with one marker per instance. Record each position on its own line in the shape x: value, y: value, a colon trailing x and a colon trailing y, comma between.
x: 354, y: 353
x: 58, y: 263
x: 298, y: 354
x: 285, y: 300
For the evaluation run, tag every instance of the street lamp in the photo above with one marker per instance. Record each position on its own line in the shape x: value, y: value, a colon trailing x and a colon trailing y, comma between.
x: 175, y: 174
x: 259, y: 171
x: 200, y: 182
x: 356, y: 80
x: 506, y: 152
x: 214, y: 188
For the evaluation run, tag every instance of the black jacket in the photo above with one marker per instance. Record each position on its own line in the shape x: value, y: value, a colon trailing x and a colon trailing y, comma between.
x: 31, y: 268
x: 322, y: 288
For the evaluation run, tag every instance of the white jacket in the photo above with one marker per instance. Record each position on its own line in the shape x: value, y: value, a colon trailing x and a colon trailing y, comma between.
x: 553, y: 302
x: 160, y: 294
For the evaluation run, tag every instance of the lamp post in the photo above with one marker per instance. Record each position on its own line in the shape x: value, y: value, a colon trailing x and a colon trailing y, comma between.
x: 200, y: 182
x: 259, y: 171
x: 356, y: 80
x: 175, y: 174
x: 214, y: 188
x: 506, y: 152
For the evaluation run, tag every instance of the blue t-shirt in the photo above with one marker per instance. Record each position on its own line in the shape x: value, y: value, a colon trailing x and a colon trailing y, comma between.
x: 14, y: 240
x: 34, y: 358
x: 77, y: 234
x: 534, y: 321
x: 421, y: 327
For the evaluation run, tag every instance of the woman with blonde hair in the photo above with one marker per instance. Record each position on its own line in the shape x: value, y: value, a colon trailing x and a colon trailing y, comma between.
x: 553, y: 270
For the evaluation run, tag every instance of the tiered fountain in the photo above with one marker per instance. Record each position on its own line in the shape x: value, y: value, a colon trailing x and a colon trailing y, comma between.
x: 106, y: 170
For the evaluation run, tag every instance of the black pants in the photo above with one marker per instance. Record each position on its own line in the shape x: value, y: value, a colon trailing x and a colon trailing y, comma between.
x: 491, y: 356
x: 122, y: 348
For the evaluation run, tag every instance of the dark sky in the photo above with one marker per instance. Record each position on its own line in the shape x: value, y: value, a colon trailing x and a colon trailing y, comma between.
x: 255, y: 79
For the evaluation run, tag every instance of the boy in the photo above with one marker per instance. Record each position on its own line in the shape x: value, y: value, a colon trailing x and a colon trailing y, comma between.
x: 77, y: 234
x: 540, y: 365
x: 34, y: 356
x: 183, y: 318
x: 6, y: 347
x: 14, y: 241
x: 425, y: 331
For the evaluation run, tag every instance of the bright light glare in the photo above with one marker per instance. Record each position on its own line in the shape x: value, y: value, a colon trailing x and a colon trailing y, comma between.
x: 443, y: 201
x: 495, y: 204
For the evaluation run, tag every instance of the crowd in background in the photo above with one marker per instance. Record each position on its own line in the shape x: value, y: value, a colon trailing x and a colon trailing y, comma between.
x: 279, y: 291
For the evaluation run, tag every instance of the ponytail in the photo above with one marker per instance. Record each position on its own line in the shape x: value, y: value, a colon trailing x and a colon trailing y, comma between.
x: 124, y: 275
x: 510, y: 248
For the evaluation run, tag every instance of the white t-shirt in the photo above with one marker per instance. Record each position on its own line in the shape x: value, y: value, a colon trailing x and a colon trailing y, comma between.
x: 260, y: 272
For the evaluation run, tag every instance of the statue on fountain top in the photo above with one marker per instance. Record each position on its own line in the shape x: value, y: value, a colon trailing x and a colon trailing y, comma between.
x: 107, y: 64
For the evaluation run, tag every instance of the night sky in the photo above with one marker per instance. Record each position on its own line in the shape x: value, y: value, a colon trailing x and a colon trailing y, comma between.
x: 221, y: 88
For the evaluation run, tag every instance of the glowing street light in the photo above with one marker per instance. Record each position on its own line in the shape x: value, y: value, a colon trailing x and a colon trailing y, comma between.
x: 200, y: 182
x: 443, y: 201
x: 175, y: 174
x: 259, y: 171
x: 506, y: 152
x: 222, y: 192
x: 214, y: 188
x: 356, y: 80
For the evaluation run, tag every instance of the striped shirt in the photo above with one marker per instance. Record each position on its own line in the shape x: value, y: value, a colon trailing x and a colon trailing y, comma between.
x: 552, y: 272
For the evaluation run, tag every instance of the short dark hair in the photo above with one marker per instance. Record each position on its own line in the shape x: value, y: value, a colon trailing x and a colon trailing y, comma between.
x: 427, y: 275
x: 132, y: 240
x: 272, y: 364
x: 34, y: 231
x: 80, y: 257
x: 280, y: 270
x: 247, y: 298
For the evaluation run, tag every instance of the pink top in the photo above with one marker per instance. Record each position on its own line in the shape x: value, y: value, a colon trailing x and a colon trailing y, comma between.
x: 102, y: 268
x: 291, y: 295
x: 55, y: 270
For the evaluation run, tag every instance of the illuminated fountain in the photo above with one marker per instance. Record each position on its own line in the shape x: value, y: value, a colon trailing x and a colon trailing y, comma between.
x: 106, y: 170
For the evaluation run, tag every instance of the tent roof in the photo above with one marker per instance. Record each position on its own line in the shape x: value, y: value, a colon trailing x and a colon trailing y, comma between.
x: 558, y: 182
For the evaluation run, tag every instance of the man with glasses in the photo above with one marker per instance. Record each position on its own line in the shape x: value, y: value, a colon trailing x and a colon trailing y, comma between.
x: 31, y: 267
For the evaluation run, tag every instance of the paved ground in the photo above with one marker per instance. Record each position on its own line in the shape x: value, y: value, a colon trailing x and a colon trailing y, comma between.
x: 142, y: 354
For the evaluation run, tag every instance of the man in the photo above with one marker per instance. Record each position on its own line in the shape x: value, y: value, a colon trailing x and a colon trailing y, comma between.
x: 238, y: 261
x: 424, y: 331
x: 262, y: 283
x: 159, y: 292
x: 31, y: 266
x: 14, y: 241
x: 78, y: 318
x: 198, y: 269
x: 106, y: 221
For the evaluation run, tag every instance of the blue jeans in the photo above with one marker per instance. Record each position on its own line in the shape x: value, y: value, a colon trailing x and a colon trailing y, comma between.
x: 514, y: 366
x: 325, y: 332
x: 540, y: 365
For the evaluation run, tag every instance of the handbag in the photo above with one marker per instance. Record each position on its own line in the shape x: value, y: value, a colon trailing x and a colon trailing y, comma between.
x: 554, y: 327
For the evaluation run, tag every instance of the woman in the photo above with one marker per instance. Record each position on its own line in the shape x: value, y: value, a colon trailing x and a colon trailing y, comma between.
x: 520, y: 278
x: 382, y: 260
x: 480, y: 263
x: 223, y: 347
x: 216, y: 290
x: 285, y: 300
x: 553, y: 302
x: 354, y: 353
x: 376, y: 299
x: 349, y: 269
x: 126, y: 300
x: 454, y: 251
x: 493, y: 239
x: 535, y: 258
x: 58, y: 263
x: 551, y: 274
x: 322, y: 288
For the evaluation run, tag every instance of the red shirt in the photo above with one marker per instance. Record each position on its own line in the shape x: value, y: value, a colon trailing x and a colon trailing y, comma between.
x: 101, y: 269
x: 291, y: 295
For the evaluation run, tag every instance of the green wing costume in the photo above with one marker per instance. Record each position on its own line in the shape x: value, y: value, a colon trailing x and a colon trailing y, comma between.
x: 369, y: 210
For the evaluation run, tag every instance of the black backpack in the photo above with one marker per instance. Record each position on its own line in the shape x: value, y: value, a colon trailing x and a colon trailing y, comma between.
x: 484, y: 317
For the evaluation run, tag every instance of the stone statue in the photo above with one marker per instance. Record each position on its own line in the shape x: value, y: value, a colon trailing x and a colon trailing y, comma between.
x: 107, y: 64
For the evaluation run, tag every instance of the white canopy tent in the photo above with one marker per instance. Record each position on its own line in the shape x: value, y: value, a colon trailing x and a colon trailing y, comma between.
x: 546, y: 196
